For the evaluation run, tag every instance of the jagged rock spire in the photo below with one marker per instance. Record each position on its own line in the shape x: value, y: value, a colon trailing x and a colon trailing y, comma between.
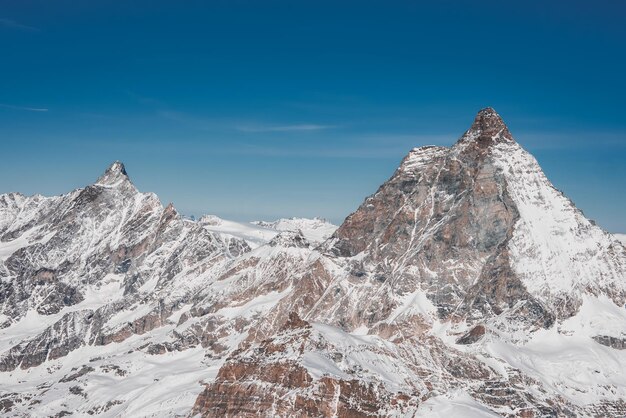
x: 488, y: 122
x: 113, y: 175
x: 487, y: 128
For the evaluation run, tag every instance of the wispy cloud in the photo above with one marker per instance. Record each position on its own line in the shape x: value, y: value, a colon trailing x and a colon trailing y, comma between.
x: 12, y: 24
x: 379, y: 146
x: 228, y: 124
x: 285, y: 128
x: 147, y: 101
x: 29, y: 109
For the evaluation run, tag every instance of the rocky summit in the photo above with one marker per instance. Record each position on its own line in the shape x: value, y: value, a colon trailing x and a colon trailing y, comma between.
x: 467, y: 285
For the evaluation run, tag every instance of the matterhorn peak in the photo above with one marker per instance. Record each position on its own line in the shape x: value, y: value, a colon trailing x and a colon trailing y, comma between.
x: 487, y: 120
x: 115, y: 174
x: 487, y: 128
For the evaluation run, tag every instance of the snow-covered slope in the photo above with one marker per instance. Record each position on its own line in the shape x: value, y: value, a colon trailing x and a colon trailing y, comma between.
x: 556, y: 251
x: 257, y: 233
x: 254, y: 235
x: 621, y: 238
x: 465, y: 286
x: 315, y: 230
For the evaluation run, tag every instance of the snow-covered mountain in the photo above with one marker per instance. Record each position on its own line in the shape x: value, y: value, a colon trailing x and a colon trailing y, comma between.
x: 257, y: 233
x: 316, y: 230
x: 467, y: 285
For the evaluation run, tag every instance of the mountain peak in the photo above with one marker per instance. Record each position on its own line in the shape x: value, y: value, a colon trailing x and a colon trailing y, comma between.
x: 113, y: 175
x: 488, y: 120
x: 487, y: 128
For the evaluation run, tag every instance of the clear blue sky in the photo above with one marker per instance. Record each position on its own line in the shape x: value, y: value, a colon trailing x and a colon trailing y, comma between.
x: 252, y: 110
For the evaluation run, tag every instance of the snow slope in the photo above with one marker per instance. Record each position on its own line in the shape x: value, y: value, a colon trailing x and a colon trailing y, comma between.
x: 315, y: 230
x: 254, y: 235
x: 257, y: 233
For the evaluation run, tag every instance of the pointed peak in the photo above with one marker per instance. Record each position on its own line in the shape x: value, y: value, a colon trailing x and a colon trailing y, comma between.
x: 170, y: 212
x: 113, y: 175
x: 118, y: 167
x: 290, y: 239
x: 487, y: 128
x: 488, y: 119
x: 170, y: 208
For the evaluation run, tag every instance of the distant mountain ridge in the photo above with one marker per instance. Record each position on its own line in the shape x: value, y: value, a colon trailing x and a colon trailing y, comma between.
x: 467, y: 285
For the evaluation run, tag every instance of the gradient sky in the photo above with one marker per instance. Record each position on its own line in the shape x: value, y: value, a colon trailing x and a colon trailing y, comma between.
x: 258, y: 110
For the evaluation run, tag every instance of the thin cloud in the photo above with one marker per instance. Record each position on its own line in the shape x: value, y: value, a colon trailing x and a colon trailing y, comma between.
x: 285, y: 128
x: 378, y: 146
x: 12, y: 24
x: 29, y: 109
x: 147, y: 101
x: 203, y: 123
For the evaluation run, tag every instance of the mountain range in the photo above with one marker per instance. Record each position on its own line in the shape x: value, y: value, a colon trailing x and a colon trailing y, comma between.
x: 466, y: 285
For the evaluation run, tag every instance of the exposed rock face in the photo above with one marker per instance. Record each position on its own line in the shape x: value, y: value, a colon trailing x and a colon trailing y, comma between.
x: 290, y: 239
x: 613, y: 342
x: 473, y: 335
x: 454, y: 285
x: 268, y: 379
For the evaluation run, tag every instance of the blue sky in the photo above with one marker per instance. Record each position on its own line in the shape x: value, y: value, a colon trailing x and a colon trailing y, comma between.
x: 253, y: 110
